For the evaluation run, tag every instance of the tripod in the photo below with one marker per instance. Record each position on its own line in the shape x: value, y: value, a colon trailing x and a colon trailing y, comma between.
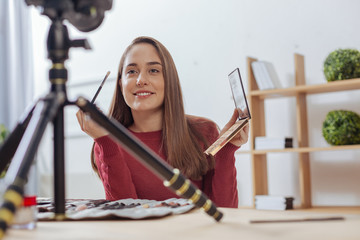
x: 24, y: 140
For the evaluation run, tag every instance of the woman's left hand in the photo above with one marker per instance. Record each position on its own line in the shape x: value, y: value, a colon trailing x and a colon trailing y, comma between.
x: 242, y: 137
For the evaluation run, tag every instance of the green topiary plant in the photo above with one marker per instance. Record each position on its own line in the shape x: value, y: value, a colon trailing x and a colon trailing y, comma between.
x: 342, y: 127
x: 3, y: 133
x: 342, y: 64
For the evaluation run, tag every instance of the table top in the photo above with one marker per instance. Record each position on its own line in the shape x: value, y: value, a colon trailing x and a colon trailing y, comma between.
x: 236, y: 224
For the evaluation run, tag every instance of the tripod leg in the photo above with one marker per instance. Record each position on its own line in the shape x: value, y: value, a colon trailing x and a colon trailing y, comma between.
x: 172, y: 177
x: 59, y: 165
x: 43, y: 113
x: 8, y: 148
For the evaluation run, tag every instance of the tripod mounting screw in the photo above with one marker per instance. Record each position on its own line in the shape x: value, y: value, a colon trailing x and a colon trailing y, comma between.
x: 81, y: 43
x: 81, y: 101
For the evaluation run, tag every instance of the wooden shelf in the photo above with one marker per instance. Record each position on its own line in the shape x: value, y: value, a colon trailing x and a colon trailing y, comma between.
x: 302, y: 150
x: 257, y: 98
x: 336, y: 86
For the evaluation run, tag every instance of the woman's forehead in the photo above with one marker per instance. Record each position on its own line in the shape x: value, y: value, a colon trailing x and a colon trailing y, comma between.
x: 142, y: 52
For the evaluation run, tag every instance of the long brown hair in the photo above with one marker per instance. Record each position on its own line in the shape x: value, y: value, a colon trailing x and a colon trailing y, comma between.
x: 182, y: 142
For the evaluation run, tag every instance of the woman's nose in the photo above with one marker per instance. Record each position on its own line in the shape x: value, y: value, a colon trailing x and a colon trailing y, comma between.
x: 141, y: 80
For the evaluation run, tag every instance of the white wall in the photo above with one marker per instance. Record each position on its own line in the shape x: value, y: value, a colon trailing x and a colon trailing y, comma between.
x: 208, y: 39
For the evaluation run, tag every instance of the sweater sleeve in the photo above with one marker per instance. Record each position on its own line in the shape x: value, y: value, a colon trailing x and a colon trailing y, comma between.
x: 224, y: 182
x: 113, y: 170
x: 222, y: 178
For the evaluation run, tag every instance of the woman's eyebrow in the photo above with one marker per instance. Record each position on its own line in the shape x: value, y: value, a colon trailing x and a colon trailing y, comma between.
x: 148, y: 63
x: 154, y: 63
x: 131, y: 65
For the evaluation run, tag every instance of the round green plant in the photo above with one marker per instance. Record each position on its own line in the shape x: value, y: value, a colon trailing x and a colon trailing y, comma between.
x: 342, y: 64
x: 342, y: 127
x: 3, y: 133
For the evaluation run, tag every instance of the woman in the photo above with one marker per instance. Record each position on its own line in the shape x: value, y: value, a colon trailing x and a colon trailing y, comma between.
x: 148, y: 101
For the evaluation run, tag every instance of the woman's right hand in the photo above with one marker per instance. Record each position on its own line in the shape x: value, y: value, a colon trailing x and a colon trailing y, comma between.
x: 89, y: 126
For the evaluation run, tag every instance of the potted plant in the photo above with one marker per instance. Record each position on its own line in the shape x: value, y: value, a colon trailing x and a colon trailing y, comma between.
x: 3, y: 133
x: 342, y: 127
x: 342, y: 64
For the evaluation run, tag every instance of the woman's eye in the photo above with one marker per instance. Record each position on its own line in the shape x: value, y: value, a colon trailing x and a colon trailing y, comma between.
x: 131, y: 72
x: 154, y: 70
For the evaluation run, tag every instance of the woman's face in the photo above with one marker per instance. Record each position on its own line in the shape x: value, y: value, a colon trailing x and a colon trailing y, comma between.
x: 142, y: 82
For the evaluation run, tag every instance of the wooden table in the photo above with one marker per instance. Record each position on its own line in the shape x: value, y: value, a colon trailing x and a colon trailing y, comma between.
x: 197, y: 225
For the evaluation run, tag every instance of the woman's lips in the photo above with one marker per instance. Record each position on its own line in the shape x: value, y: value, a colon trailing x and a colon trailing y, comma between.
x: 143, y: 93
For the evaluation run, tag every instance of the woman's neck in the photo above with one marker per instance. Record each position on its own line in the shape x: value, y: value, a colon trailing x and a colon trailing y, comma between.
x: 146, y: 122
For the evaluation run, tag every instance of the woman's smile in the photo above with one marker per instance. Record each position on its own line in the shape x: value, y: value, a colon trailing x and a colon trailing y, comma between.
x: 143, y: 94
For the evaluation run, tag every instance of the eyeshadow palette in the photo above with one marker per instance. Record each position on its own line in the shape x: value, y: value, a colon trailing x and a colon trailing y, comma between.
x: 87, y: 209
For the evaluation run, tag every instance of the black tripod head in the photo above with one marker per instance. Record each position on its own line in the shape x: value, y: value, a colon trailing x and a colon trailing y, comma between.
x: 85, y: 15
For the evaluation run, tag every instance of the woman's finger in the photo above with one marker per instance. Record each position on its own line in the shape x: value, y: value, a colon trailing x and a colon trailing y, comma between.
x: 232, y: 120
x: 79, y: 116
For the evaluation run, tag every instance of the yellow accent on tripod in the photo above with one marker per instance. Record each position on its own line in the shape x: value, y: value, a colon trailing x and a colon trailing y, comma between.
x: 58, y: 81
x: 6, y: 215
x: 196, y: 196
x: 215, y: 216
x: 58, y: 66
x: 183, y: 188
x: 60, y: 217
x: 207, y: 205
x: 14, y: 197
x: 173, y: 179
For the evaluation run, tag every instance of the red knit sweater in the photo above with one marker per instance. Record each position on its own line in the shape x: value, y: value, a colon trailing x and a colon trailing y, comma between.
x: 125, y: 177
